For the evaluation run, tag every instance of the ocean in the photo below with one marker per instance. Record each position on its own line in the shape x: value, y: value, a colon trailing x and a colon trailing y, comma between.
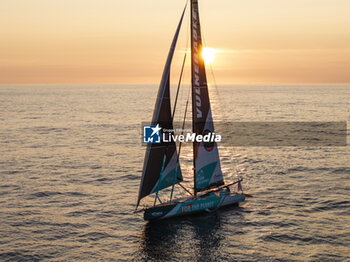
x: 71, y: 162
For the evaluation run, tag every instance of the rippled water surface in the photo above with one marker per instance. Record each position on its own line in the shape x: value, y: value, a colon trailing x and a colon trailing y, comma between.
x: 71, y: 161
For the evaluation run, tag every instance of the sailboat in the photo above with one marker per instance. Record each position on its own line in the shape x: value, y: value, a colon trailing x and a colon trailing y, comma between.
x: 161, y: 168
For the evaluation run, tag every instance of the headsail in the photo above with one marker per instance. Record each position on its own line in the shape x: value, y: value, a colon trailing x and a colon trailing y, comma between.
x: 161, y: 168
x: 206, y: 156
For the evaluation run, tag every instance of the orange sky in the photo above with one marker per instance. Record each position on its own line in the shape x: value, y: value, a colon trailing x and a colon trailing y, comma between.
x: 118, y: 41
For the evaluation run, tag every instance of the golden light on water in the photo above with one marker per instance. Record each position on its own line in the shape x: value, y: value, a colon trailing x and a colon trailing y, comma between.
x: 209, y: 55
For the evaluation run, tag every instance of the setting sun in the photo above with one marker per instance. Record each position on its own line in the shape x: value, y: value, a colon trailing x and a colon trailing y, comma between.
x: 209, y: 55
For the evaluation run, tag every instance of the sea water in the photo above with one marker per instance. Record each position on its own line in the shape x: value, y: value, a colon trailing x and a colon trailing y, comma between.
x: 70, y: 165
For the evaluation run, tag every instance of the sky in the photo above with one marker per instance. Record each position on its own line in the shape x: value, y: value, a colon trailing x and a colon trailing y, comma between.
x: 126, y: 42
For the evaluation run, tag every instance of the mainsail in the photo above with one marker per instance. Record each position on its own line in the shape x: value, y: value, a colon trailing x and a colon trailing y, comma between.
x: 207, y: 169
x: 161, y: 168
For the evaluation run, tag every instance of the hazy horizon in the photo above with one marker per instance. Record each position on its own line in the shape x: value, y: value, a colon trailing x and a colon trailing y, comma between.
x: 120, y: 42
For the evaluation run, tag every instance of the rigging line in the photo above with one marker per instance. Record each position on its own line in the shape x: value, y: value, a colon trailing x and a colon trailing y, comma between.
x: 183, y: 80
x: 179, y: 150
x: 211, y: 69
x: 182, y: 70
x: 219, y: 97
x: 179, y: 83
x: 181, y: 74
x: 222, y: 110
x: 183, y: 124
x: 184, y: 188
x: 160, y: 178
x: 182, y: 131
x: 175, y: 103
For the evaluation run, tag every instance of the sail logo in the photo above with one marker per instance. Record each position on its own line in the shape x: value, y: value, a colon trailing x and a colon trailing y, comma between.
x: 196, y: 79
x: 152, y: 134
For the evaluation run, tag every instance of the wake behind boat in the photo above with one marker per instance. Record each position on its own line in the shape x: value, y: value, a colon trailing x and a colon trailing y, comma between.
x: 161, y: 164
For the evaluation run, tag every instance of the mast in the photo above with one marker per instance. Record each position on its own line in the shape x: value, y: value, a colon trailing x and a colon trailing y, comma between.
x: 206, y: 162
x: 193, y: 105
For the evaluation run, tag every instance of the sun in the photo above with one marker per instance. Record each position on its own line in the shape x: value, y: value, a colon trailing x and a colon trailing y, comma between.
x: 209, y: 55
